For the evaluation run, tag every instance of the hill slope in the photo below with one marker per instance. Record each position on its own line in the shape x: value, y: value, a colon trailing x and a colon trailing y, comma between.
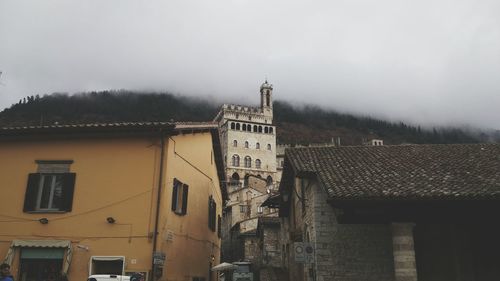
x: 307, y: 124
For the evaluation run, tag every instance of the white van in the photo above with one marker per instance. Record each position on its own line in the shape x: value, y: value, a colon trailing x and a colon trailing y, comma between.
x: 108, y: 277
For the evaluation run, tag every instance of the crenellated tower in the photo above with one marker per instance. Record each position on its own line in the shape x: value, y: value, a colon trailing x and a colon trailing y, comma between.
x: 266, y: 99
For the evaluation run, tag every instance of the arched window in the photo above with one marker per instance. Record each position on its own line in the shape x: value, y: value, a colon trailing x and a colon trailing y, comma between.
x: 257, y: 146
x: 269, y: 180
x: 249, y: 128
x: 233, y: 126
x: 255, y: 128
x: 248, y: 162
x: 244, y: 127
x: 235, y: 143
x: 235, y: 180
x: 270, y: 130
x: 260, y: 129
x: 266, y: 130
x: 237, y: 126
x: 268, y: 99
x: 245, y: 180
x: 268, y: 146
x: 257, y: 163
x: 236, y: 160
x: 246, y: 144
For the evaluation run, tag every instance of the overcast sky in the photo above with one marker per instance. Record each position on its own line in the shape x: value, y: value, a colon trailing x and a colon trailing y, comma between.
x: 425, y: 61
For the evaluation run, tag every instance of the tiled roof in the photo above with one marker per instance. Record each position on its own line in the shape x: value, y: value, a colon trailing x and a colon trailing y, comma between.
x: 415, y: 172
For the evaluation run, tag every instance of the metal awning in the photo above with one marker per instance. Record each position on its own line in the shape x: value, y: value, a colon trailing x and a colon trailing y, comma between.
x: 42, y: 243
x: 224, y: 266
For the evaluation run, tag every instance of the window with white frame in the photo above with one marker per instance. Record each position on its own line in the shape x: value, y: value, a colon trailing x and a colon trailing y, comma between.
x: 51, y: 188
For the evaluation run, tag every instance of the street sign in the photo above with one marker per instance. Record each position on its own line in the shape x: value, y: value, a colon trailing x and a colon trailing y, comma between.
x: 303, y: 252
x: 159, y: 258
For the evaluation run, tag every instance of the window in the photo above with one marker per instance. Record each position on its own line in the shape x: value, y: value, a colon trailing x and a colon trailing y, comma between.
x: 243, y: 208
x: 51, y: 189
x: 270, y: 130
x: 248, y: 162
x: 257, y: 163
x: 260, y: 210
x: 266, y: 130
x: 246, y: 144
x: 268, y: 146
x: 260, y: 129
x: 244, y: 127
x: 212, y: 210
x: 255, y: 128
x: 233, y: 126
x: 257, y: 146
x: 249, y: 128
x: 236, y: 160
x: 235, y: 143
x: 237, y: 126
x: 179, y: 197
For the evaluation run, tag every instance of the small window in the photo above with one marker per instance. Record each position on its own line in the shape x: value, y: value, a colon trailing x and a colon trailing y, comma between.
x: 246, y: 144
x: 235, y: 143
x: 260, y: 210
x: 255, y: 128
x: 260, y: 129
x: 257, y: 146
x: 179, y: 197
x: 244, y: 127
x: 243, y: 208
x: 266, y: 130
x: 268, y: 146
x: 257, y: 163
x: 270, y: 130
x: 212, y: 213
x: 237, y: 126
x: 233, y: 126
x: 236, y: 160
x: 248, y: 162
x: 51, y: 189
x: 249, y: 128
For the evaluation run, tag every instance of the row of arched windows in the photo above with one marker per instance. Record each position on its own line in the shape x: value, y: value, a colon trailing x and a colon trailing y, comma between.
x: 257, y: 145
x: 247, y: 162
x: 250, y: 128
x: 235, y: 180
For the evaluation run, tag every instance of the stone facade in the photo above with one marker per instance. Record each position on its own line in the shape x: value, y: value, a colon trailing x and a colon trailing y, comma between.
x: 347, y: 252
x: 248, y: 139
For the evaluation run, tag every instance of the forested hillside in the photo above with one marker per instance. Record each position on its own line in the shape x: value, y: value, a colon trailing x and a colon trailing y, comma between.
x: 296, y: 124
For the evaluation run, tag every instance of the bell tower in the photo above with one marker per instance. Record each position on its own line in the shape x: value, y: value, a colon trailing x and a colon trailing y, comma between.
x: 266, y: 99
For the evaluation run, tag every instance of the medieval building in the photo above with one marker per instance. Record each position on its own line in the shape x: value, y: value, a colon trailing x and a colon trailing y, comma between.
x: 248, y: 140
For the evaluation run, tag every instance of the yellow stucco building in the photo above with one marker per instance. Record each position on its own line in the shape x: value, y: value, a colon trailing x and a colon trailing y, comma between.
x: 111, y: 198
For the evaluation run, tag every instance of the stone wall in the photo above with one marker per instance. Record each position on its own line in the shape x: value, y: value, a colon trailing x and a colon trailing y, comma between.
x: 344, y: 252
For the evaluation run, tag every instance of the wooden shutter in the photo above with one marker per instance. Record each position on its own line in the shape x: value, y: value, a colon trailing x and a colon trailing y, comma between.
x: 174, y: 195
x: 219, y: 226
x: 31, y: 192
x: 68, y: 180
x: 185, y: 199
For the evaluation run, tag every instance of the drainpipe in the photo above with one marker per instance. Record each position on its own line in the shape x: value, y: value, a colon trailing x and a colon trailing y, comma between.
x: 158, y: 200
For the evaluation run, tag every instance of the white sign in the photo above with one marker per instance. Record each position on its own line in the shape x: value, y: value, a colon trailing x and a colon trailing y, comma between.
x: 304, y: 252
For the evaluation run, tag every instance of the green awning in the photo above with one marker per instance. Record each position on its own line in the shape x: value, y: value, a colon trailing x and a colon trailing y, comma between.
x: 42, y: 253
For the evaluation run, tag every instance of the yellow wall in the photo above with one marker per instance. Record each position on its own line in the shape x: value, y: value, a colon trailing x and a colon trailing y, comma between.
x: 193, y: 243
x: 116, y: 177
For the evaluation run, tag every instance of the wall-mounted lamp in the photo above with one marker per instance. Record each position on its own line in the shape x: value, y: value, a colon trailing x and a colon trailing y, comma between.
x: 110, y: 220
x: 44, y: 220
